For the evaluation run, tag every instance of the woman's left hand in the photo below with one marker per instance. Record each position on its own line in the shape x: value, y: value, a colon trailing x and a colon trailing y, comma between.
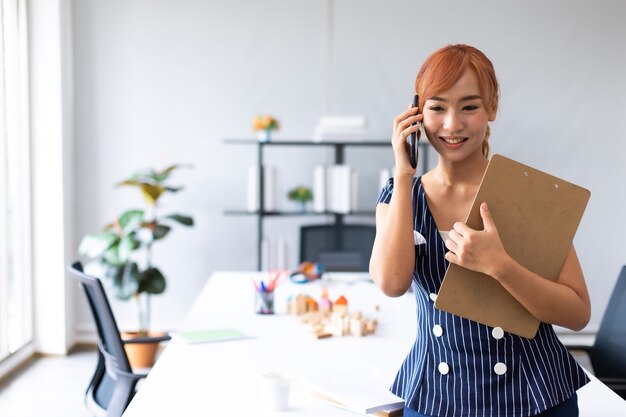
x: 478, y: 250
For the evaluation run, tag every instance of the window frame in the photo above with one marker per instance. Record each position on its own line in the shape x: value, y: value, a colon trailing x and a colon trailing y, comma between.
x: 16, y: 277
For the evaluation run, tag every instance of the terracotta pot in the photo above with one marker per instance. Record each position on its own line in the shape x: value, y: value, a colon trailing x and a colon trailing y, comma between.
x: 141, y: 355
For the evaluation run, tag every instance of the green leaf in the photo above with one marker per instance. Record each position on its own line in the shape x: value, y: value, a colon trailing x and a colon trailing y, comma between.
x: 126, y: 246
x: 165, y: 173
x: 126, y: 281
x: 149, y: 174
x: 161, y: 231
x: 152, y: 281
x: 112, y: 255
x: 95, y: 244
x: 184, y: 220
x: 130, y: 220
x: 151, y: 192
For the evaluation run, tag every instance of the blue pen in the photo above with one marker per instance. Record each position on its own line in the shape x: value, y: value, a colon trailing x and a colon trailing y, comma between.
x: 263, y: 287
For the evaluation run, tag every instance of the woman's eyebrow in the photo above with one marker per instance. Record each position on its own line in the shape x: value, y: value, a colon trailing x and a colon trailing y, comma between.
x: 466, y: 98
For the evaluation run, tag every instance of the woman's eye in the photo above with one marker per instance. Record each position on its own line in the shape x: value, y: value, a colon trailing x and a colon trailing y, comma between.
x: 470, y: 107
x: 435, y: 108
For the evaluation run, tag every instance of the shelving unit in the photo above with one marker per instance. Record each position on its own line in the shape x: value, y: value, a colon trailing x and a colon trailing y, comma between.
x: 339, y: 156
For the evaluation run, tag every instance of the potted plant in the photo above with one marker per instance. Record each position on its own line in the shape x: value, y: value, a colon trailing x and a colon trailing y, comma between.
x: 263, y: 124
x: 122, y: 251
x: 300, y: 194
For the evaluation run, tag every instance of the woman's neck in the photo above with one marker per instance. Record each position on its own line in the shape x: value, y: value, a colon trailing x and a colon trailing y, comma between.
x: 468, y: 171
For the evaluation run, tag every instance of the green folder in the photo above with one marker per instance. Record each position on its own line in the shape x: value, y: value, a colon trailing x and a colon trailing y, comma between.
x: 213, y: 335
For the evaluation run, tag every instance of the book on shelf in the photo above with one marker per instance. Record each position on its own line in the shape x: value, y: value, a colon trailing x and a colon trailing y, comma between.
x: 333, y: 188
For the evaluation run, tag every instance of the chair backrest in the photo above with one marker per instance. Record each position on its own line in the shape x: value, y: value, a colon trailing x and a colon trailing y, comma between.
x: 113, y: 384
x: 607, y: 355
x: 342, y: 247
x: 108, y: 333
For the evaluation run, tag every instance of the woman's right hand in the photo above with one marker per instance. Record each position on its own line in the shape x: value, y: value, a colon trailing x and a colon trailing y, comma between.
x: 402, y: 128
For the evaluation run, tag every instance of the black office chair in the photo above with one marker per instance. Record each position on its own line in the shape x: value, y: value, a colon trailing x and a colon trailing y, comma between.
x: 342, y: 247
x: 607, y: 353
x: 114, y: 383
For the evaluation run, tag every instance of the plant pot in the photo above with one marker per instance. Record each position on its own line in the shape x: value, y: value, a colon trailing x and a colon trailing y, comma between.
x: 141, y: 355
x: 264, y: 135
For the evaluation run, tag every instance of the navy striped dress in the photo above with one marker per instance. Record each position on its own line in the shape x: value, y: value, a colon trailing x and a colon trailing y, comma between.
x: 458, y: 367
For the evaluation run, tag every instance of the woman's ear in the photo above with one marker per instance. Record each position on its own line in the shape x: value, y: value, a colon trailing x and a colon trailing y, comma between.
x: 492, y: 115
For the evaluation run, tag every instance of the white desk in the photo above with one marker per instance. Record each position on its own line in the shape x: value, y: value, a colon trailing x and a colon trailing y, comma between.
x: 216, y: 378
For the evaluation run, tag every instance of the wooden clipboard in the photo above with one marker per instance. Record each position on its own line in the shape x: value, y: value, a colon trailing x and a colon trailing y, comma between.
x: 537, y: 215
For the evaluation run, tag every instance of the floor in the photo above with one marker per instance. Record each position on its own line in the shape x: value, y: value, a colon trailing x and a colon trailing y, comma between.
x: 49, y: 387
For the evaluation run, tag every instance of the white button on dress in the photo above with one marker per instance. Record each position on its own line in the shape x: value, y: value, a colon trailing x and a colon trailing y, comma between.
x: 443, y: 368
x: 437, y: 330
x: 433, y: 296
x: 500, y: 368
x: 497, y: 333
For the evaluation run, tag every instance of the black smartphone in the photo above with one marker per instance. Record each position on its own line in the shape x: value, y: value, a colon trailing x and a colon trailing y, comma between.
x: 413, y: 139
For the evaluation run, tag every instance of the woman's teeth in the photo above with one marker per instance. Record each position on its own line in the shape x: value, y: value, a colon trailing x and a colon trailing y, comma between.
x: 453, y: 141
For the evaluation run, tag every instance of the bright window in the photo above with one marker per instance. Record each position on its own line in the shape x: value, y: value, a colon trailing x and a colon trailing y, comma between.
x: 15, y: 219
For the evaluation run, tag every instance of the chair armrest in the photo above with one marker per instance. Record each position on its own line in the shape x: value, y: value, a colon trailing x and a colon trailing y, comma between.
x: 614, y: 382
x: 147, y: 339
x: 131, y: 375
x: 586, y: 348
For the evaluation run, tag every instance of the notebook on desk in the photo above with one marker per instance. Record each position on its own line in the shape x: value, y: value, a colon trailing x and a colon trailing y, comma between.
x: 211, y: 335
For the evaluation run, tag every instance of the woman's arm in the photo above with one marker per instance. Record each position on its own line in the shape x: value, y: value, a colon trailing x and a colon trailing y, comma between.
x: 393, y: 253
x: 564, y: 302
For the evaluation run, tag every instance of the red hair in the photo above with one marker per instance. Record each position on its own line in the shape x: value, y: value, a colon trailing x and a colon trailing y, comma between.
x: 445, y: 67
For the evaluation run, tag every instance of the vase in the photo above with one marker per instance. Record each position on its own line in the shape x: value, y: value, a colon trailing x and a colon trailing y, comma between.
x: 264, y: 135
x: 141, y: 355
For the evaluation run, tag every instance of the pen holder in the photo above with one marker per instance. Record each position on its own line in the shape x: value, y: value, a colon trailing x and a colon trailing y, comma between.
x: 264, y: 302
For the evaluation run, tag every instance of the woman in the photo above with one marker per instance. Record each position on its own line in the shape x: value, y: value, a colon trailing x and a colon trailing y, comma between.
x: 458, y: 367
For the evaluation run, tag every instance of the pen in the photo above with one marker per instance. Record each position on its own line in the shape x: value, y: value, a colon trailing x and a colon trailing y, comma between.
x: 263, y: 287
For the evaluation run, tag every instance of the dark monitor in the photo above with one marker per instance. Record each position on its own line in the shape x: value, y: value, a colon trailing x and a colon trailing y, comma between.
x: 345, y: 247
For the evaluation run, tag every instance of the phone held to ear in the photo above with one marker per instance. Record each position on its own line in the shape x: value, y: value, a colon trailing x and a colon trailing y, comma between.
x: 413, y: 139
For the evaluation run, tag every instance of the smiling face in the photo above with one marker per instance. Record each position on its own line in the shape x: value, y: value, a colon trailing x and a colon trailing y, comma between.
x: 455, y: 121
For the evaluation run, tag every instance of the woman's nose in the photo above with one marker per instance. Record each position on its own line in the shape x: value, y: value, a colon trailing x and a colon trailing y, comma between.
x: 452, y: 122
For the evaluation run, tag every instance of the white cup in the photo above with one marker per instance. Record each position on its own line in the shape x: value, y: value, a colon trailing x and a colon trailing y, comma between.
x: 275, y: 391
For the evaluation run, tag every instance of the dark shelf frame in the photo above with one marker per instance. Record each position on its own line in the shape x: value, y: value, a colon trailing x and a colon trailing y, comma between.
x: 339, y: 150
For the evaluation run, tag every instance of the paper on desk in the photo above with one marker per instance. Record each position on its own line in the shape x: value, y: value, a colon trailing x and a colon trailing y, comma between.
x: 212, y: 335
x: 363, y: 394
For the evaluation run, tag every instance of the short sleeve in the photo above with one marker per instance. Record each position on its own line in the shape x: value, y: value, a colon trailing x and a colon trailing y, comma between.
x: 385, y: 193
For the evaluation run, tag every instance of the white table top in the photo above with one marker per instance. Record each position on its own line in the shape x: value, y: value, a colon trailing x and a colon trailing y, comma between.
x: 223, y: 377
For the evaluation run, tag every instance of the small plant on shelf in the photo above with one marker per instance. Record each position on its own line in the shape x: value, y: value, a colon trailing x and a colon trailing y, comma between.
x: 263, y: 124
x: 300, y: 194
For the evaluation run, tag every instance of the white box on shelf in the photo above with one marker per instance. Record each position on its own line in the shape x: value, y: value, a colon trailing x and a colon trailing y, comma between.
x: 339, y: 184
x: 253, y: 187
x: 344, y: 128
x: 319, y: 189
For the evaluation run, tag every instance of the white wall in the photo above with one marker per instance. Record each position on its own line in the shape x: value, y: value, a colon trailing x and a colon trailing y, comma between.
x: 160, y: 81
